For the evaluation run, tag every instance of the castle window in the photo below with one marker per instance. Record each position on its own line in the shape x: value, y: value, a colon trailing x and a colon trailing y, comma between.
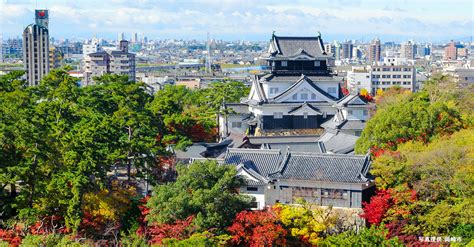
x: 313, y: 96
x: 273, y: 90
x: 317, y: 63
x: 278, y: 115
x: 284, y: 63
x: 305, y: 115
x: 252, y: 189
x: 295, y: 96
x: 304, y: 96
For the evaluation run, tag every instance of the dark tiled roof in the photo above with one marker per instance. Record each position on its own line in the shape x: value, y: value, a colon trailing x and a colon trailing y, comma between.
x: 99, y: 53
x: 312, y: 166
x: 291, y: 46
x: 261, y: 161
x: 339, y: 142
x: 325, y: 167
x: 352, y: 125
x: 282, y: 139
x: 119, y: 53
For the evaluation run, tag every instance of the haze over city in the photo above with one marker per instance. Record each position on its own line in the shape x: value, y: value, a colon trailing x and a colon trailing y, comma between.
x: 434, y: 21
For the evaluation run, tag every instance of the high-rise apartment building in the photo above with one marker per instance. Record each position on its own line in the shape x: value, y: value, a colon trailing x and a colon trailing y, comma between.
x: 119, y: 62
x: 450, y: 51
x: 408, y: 50
x: 347, y: 50
x: 134, y: 38
x: 92, y: 47
x: 36, y: 48
x: 375, y: 50
x: 121, y: 36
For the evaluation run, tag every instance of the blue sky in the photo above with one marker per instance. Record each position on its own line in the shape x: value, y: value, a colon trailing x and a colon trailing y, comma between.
x: 397, y: 20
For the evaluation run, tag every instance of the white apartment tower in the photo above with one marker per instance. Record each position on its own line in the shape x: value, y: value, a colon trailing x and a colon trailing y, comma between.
x: 36, y: 48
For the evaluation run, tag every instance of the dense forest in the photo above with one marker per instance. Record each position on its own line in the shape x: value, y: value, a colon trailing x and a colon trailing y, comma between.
x: 61, y: 145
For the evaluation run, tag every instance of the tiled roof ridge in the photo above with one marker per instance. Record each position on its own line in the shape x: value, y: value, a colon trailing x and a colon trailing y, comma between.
x: 349, y: 156
x: 250, y: 150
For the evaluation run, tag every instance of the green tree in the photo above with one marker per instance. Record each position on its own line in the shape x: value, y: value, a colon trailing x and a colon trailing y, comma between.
x: 373, y: 236
x: 204, y: 189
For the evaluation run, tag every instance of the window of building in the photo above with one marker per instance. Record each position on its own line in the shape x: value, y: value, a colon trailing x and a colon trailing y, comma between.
x: 325, y: 115
x: 358, y: 133
x: 385, y: 69
x: 305, y: 115
x: 333, y: 193
x: 284, y: 63
x: 317, y: 63
x: 349, y: 112
x: 366, y: 112
x: 406, y: 69
x: 304, y: 96
x: 278, y: 115
x: 313, y: 96
x: 236, y: 124
x: 252, y: 189
x: 295, y: 96
x: 273, y: 90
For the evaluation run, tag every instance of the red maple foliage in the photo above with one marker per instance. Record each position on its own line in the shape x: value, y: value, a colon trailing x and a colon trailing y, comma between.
x: 11, y: 236
x: 366, y: 95
x: 180, y: 229
x: 48, y: 225
x: 257, y: 228
x: 344, y: 91
x: 374, y: 211
x: 144, y: 211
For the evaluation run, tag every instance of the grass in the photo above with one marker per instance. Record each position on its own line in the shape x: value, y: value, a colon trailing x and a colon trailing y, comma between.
x: 231, y: 65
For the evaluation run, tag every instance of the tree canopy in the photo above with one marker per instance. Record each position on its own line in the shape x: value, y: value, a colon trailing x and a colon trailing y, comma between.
x: 206, y: 190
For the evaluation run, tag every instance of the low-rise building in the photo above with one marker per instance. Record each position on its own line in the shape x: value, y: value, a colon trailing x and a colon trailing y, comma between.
x: 323, y: 179
x: 119, y: 62
x: 382, y: 77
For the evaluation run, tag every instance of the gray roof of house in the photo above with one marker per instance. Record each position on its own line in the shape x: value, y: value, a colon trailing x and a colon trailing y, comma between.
x: 325, y: 167
x: 338, y: 142
x: 352, y: 100
x: 261, y: 161
x: 99, y: 53
x: 119, y: 53
x: 312, y: 166
x: 282, y: 139
x: 352, y: 125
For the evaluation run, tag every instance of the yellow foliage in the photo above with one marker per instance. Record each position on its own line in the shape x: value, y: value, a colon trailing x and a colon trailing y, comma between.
x: 108, y: 204
x: 364, y: 92
x: 306, y: 222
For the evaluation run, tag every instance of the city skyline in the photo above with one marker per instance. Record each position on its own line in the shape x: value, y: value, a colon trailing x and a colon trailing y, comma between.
x: 246, y: 20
